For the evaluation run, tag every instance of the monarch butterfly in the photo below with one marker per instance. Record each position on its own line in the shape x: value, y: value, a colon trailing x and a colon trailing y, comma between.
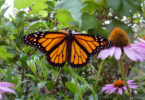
x: 63, y: 46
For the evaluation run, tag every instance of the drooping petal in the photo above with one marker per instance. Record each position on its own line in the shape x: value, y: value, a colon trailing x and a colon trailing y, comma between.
x: 125, y: 88
x: 141, y: 40
x: 117, y: 53
x: 106, y: 87
x: 110, y: 85
x: 6, y: 84
x: 120, y: 91
x: 112, y: 50
x: 112, y: 90
x: 129, y: 81
x: 133, y: 86
x: 108, y: 91
x: 7, y: 89
x: 132, y: 54
x: 104, y: 54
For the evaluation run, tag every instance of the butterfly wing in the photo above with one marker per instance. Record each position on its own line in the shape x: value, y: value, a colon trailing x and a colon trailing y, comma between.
x: 52, y: 43
x: 85, y: 46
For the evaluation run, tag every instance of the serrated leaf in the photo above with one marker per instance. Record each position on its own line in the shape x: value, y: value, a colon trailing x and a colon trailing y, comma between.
x: 125, y: 7
x: 74, y: 7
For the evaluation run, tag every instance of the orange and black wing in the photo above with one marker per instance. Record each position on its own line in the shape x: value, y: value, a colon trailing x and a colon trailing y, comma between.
x: 53, y: 44
x: 85, y: 46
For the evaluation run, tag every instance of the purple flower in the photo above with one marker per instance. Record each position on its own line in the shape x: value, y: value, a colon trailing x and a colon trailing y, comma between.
x: 118, y: 86
x: 4, y: 87
x: 122, y: 44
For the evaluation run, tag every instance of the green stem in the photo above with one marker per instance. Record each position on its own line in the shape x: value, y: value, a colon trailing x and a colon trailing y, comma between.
x: 71, y: 70
x: 98, y: 73
x: 124, y: 78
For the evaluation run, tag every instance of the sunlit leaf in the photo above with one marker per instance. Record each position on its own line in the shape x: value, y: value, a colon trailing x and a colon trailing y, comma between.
x: 64, y: 17
x: 74, y: 7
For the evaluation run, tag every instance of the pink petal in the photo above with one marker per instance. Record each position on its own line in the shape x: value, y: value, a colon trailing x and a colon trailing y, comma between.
x: 125, y: 88
x: 6, y: 84
x: 141, y: 40
x: 120, y: 91
x: 6, y: 90
x: 129, y: 81
x: 0, y: 96
x: 106, y: 87
x: 104, y: 54
x: 112, y: 50
x: 133, y: 86
x: 108, y: 91
x: 130, y: 53
x: 112, y: 90
x: 117, y: 53
x: 110, y: 85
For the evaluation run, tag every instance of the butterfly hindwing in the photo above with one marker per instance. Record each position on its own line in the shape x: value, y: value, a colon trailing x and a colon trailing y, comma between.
x: 85, y: 46
x: 50, y: 43
x: 58, y: 55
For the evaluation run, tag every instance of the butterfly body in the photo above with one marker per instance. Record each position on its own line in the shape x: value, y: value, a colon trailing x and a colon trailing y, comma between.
x: 62, y: 47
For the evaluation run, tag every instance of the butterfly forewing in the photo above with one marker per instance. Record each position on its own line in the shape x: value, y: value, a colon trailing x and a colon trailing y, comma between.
x: 51, y: 43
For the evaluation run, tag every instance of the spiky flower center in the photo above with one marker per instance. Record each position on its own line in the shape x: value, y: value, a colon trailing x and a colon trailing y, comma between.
x: 119, y: 37
x: 119, y: 83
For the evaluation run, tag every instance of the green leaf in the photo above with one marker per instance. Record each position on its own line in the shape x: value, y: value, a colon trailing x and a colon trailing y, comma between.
x: 41, y: 84
x: 38, y: 6
x: 4, y: 54
x: 91, y: 7
x: 2, y: 2
x: 43, y: 13
x: 74, y: 7
x: 71, y: 86
x: 64, y: 17
x: 32, y: 65
x: 89, y: 22
x: 126, y: 28
x: 91, y: 97
x: 125, y: 7
x: 19, y: 4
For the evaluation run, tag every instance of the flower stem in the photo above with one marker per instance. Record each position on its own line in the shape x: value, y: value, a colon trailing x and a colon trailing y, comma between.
x: 124, y: 78
x: 71, y: 70
x: 98, y: 73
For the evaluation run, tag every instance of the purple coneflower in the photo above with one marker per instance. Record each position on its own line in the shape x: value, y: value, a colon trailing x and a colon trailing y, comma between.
x: 4, y: 87
x: 119, y: 86
x: 121, y: 43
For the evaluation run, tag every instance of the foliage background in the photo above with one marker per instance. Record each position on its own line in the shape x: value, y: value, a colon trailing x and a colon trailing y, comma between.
x: 34, y: 77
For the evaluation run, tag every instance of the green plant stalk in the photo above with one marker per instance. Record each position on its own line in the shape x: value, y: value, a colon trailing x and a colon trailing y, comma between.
x: 71, y: 70
x: 98, y: 73
x: 124, y: 78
